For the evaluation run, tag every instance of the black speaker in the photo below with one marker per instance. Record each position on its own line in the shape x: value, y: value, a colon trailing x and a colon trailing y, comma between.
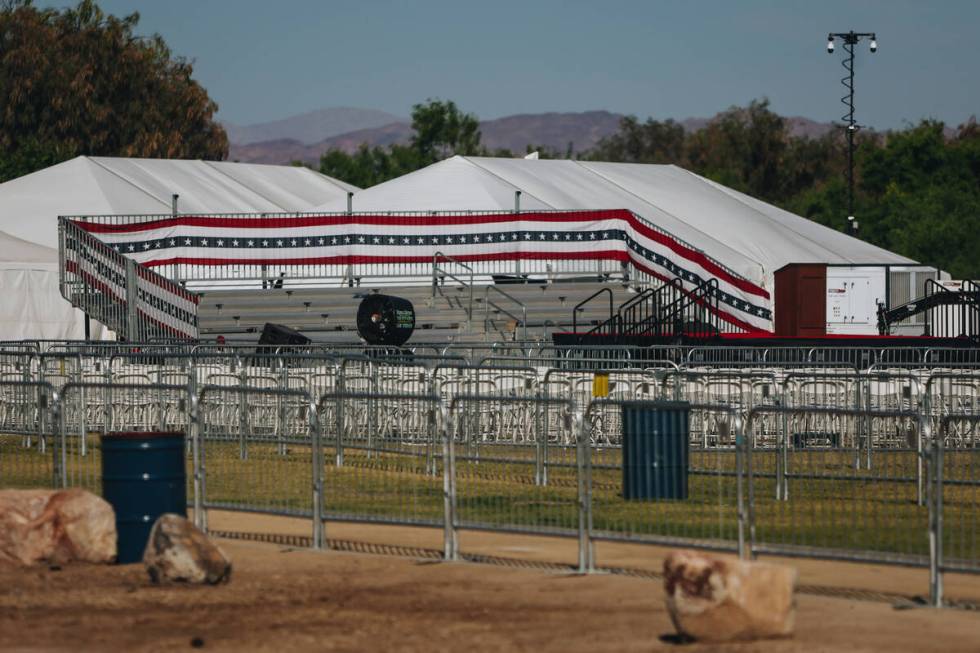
x: 385, y: 320
x: 277, y: 334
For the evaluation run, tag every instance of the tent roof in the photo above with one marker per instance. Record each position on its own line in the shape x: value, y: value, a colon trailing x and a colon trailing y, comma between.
x: 30, y: 205
x: 750, y: 236
x: 16, y: 253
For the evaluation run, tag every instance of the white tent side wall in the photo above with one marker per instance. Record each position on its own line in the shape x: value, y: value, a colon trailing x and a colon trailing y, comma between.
x: 32, y: 307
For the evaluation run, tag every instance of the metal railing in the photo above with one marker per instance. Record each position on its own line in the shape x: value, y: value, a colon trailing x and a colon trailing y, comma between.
x: 135, y: 302
x: 439, y: 276
x: 520, y: 321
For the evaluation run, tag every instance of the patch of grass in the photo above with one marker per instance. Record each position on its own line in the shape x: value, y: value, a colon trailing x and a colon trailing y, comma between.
x: 832, y: 503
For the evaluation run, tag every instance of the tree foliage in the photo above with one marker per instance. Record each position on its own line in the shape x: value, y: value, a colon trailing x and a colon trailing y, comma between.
x: 440, y: 130
x: 79, y: 81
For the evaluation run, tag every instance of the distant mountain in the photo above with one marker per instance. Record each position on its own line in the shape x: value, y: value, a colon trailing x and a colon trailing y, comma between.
x: 312, y: 127
x: 395, y: 133
x: 552, y: 130
x: 556, y: 131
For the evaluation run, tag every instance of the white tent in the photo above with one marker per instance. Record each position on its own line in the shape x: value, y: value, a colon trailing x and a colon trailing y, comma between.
x: 32, y: 306
x: 749, y: 236
x: 30, y: 206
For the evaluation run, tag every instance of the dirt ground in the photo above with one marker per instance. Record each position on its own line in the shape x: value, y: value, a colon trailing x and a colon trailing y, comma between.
x: 282, y: 598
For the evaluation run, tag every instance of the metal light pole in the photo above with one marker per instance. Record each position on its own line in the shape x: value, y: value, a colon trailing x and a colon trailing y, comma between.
x: 850, y: 39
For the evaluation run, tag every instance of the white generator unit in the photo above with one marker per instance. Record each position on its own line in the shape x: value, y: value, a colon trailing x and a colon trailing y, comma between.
x: 853, y: 295
x: 816, y: 299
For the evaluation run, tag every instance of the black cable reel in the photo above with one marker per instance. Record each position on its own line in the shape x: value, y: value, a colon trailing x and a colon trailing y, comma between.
x: 385, y: 320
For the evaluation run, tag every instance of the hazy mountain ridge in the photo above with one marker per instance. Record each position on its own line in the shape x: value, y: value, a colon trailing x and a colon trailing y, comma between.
x: 310, y: 127
x: 556, y: 131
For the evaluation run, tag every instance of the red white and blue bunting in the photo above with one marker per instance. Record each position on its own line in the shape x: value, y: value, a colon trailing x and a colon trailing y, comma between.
x: 617, y: 235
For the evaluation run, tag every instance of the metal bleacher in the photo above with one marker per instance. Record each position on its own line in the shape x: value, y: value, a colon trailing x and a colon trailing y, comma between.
x: 495, y: 312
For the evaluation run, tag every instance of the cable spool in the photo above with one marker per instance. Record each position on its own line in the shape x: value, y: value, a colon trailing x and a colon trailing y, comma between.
x: 385, y: 320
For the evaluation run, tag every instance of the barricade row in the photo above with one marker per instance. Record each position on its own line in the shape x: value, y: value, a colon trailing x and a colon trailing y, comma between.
x: 740, y: 388
x: 501, y: 450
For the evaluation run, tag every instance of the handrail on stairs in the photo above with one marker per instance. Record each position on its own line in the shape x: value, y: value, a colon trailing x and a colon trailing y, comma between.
x: 439, y: 273
x: 487, y: 304
x: 586, y: 301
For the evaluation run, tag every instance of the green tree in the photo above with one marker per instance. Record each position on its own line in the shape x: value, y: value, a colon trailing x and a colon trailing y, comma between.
x: 743, y: 148
x: 649, y: 142
x: 442, y: 130
x: 79, y: 81
x: 369, y: 166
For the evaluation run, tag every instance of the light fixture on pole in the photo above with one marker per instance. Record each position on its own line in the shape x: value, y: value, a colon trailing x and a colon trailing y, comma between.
x: 850, y: 39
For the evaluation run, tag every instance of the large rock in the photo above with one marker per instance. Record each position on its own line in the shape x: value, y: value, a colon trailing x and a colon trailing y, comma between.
x: 178, y: 551
x: 719, y: 599
x: 56, y: 526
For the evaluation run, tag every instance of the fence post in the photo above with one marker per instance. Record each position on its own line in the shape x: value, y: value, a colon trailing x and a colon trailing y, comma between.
x: 83, y: 418
x: 925, y: 415
x: 783, y: 400
x: 586, y: 550
x: 243, y: 408
x: 194, y: 415
x: 42, y: 417
x: 340, y: 387
x: 935, y: 503
x: 541, y: 415
x: 132, y: 296
x: 283, y: 382
x: 450, y: 536
x: 60, y: 446
x: 316, y: 444
x: 743, y: 471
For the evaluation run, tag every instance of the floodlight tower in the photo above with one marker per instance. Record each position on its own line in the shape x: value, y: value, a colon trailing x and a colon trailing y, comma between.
x: 850, y: 39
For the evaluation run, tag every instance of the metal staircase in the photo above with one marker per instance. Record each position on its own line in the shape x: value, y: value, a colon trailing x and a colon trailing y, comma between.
x: 670, y: 310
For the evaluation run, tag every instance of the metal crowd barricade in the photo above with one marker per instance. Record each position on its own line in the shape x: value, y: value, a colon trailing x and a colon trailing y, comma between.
x: 79, y: 451
x: 955, y: 494
x: 395, y: 477
x: 714, y: 516
x: 28, y: 421
x: 834, y: 462
x: 498, y: 490
x: 245, y: 467
x: 834, y: 509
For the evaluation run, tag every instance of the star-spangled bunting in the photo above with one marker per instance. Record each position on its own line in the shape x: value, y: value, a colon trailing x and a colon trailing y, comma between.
x: 358, y: 239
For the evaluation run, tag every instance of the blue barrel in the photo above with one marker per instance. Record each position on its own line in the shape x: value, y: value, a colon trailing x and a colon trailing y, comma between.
x: 143, y: 477
x: 656, y: 441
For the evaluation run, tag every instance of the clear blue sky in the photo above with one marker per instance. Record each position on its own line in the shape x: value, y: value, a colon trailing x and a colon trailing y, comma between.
x: 262, y: 60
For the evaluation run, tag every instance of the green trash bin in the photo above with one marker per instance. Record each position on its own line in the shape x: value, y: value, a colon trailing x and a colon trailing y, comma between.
x: 656, y: 443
